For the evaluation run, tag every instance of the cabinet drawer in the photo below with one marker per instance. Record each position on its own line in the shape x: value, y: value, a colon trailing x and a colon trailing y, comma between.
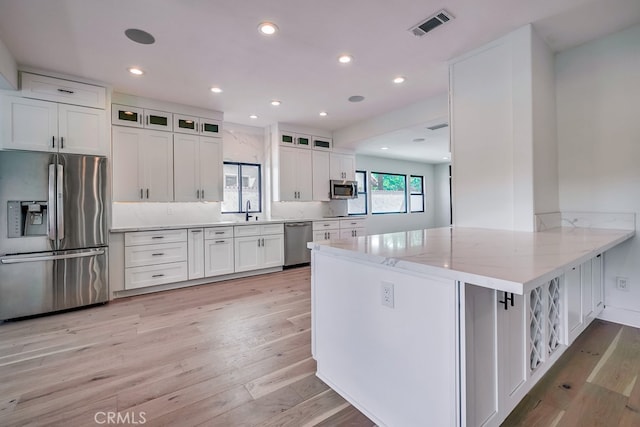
x: 140, y: 277
x: 326, y: 225
x: 153, y: 237
x: 218, y: 233
x: 65, y: 91
x: 352, y: 223
x: 162, y: 253
x: 246, y: 230
x: 272, y: 229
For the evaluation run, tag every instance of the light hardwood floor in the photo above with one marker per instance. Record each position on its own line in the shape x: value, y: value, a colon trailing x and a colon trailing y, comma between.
x: 238, y: 353
x: 235, y: 353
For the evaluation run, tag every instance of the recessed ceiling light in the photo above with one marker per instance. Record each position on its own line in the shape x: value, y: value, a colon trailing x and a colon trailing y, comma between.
x: 136, y: 71
x: 216, y: 89
x: 253, y: 116
x: 398, y: 80
x: 139, y: 36
x: 345, y: 59
x: 356, y: 98
x: 384, y: 148
x: 323, y: 113
x: 268, y: 28
x: 275, y: 102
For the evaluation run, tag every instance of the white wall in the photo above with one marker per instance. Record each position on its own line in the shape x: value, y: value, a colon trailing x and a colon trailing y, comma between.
x: 386, y: 223
x: 442, y: 211
x: 598, y: 93
x: 8, y: 69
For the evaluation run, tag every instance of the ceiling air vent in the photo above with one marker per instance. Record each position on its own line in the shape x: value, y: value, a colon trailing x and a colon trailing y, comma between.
x: 436, y: 127
x: 430, y: 23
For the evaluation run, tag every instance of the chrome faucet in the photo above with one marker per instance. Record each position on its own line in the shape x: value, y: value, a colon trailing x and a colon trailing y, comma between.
x: 248, y: 206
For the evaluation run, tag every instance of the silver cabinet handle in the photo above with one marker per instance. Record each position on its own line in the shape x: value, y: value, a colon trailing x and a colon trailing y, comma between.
x: 220, y: 241
x: 51, y: 202
x: 258, y: 242
x: 60, y: 204
x: 219, y: 232
x: 147, y: 120
x: 70, y: 92
x: 157, y: 237
x: 147, y: 193
x: 53, y: 142
x: 141, y: 193
x: 196, y: 231
x: 158, y: 254
x: 158, y: 275
x: 263, y: 242
x: 202, y: 193
x: 197, y: 194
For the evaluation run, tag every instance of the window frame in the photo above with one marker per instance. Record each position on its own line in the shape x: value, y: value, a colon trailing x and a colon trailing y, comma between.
x: 406, y: 207
x: 365, y: 193
x: 422, y: 193
x: 240, y: 199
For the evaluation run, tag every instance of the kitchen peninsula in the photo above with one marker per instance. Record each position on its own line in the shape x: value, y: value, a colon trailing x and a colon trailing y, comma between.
x: 451, y: 326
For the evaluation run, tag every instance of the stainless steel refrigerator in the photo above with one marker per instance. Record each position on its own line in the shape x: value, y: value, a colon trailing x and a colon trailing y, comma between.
x: 53, y: 238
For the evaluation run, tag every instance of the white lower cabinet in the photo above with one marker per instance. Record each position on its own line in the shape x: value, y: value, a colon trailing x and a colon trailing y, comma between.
x: 326, y: 230
x: 258, y: 246
x: 155, y: 258
x: 195, y: 244
x: 218, y: 251
x: 584, y: 293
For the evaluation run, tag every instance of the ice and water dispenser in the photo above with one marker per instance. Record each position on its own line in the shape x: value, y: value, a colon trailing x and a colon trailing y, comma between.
x: 26, y: 218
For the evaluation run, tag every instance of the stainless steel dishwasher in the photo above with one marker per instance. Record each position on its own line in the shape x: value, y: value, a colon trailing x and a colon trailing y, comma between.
x: 296, y: 236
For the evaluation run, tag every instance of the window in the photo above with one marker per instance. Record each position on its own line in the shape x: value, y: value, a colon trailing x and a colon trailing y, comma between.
x: 388, y: 193
x: 416, y: 188
x: 359, y: 206
x: 241, y: 185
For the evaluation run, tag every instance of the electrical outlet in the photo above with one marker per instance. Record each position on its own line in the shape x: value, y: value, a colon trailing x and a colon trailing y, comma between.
x: 387, y: 294
x: 622, y: 283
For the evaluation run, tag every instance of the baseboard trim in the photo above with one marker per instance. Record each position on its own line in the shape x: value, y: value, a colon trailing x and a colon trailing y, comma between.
x: 621, y: 315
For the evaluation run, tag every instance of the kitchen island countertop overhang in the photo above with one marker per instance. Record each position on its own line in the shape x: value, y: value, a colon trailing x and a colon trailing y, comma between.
x: 509, y: 261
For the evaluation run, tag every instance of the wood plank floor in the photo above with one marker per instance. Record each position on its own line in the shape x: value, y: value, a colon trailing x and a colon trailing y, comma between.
x: 235, y: 353
x: 238, y: 353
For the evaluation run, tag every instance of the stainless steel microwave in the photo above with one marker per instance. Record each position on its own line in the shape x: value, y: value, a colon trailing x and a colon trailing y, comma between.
x: 343, y: 189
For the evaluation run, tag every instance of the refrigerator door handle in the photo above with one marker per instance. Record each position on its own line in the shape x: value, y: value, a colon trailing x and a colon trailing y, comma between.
x: 51, y: 204
x: 22, y: 259
x: 60, y: 201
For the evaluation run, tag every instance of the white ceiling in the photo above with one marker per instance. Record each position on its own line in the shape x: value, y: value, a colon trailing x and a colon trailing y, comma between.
x: 202, y: 43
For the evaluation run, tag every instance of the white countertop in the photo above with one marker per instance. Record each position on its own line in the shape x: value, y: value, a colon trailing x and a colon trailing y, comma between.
x: 510, y: 261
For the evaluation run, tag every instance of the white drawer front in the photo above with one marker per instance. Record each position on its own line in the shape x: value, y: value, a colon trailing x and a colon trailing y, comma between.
x: 64, y: 91
x: 246, y: 230
x: 352, y: 223
x: 140, y: 277
x: 326, y: 225
x: 153, y: 237
x: 272, y: 229
x: 218, y: 233
x: 162, y: 253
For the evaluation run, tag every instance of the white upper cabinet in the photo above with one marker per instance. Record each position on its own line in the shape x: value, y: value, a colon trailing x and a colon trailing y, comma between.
x: 197, y: 168
x: 320, y: 143
x: 63, y: 91
x: 124, y: 115
x: 197, y: 125
x: 342, y: 166
x: 31, y: 124
x: 142, y: 165
x: 291, y: 139
x: 295, y: 175
x: 321, y: 176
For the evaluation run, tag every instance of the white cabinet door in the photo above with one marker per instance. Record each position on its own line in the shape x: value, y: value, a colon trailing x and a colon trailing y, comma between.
x: 573, y: 297
x: 597, y: 283
x: 288, y: 171
x: 82, y: 130
x: 158, y: 166
x: 326, y: 235
x: 218, y: 256
x: 211, y: 166
x: 272, y: 250
x: 321, y: 177
x: 142, y: 165
x: 247, y: 253
x: 304, y: 176
x: 29, y: 124
x: 195, y: 256
x: 351, y: 232
x: 128, y: 173
x: 186, y: 164
x: 586, y: 289
x: 511, y: 347
x: 342, y: 166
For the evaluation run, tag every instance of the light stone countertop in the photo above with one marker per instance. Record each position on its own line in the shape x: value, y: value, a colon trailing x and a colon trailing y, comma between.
x: 225, y: 224
x: 510, y: 261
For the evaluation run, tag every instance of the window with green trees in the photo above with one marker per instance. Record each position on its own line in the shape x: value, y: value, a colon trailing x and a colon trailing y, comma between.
x: 388, y: 193
x: 416, y: 187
